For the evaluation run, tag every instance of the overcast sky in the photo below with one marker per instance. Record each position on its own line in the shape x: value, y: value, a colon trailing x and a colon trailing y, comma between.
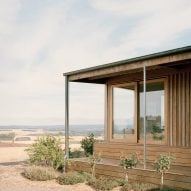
x: 41, y: 39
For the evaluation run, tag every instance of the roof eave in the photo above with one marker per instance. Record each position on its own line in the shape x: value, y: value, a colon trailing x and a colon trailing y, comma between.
x: 131, y: 60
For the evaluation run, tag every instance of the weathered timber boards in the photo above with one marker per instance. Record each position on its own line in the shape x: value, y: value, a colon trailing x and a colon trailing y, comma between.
x: 179, y: 91
x: 115, y: 150
x: 171, y: 179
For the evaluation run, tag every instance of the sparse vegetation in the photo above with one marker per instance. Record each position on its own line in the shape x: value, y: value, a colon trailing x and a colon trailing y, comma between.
x: 87, y: 144
x: 39, y: 173
x: 138, y: 186
x: 104, y: 183
x: 162, y: 165
x: 47, y: 151
x: 7, y: 137
x: 72, y: 178
x: 22, y: 139
x: 128, y: 163
x: 77, y: 153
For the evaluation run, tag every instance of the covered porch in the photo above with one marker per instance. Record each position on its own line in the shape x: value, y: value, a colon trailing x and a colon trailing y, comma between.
x: 168, y: 72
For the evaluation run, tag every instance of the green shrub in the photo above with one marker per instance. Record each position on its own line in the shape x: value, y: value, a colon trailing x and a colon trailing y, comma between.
x: 86, y: 175
x: 76, y: 153
x: 87, y: 144
x: 39, y: 173
x: 47, y: 151
x: 167, y: 189
x: 73, y: 178
x: 136, y: 186
x: 104, y: 183
x: 128, y: 163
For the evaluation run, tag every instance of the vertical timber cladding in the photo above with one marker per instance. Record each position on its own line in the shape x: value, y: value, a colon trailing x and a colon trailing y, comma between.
x: 179, y: 92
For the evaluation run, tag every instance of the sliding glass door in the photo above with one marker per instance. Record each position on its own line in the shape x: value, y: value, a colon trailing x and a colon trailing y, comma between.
x: 127, y: 112
x: 155, y: 119
x: 124, y: 112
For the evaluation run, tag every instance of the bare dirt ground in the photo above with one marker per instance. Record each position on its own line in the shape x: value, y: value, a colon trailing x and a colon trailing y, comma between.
x: 12, y: 180
x: 12, y: 153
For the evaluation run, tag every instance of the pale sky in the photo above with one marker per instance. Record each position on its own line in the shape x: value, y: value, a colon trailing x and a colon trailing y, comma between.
x: 41, y: 39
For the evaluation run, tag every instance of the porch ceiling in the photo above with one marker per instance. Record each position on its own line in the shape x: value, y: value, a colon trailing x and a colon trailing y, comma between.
x: 172, y: 59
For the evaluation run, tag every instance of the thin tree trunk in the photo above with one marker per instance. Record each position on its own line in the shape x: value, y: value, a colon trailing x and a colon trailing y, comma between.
x: 93, y: 171
x: 126, y: 176
x: 162, y: 180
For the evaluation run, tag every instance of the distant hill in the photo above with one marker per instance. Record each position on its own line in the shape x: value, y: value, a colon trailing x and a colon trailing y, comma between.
x: 74, y: 129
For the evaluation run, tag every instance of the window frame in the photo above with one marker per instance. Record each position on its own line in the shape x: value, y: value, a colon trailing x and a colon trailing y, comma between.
x: 130, y: 138
x: 136, y: 137
x: 164, y: 80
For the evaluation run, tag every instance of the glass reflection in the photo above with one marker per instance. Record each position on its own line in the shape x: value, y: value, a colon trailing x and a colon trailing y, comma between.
x: 123, y: 111
x: 154, y: 112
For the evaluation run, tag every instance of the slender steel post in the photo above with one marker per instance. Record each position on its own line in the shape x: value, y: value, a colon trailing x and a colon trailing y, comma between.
x: 106, y: 114
x: 144, y: 117
x: 66, y: 117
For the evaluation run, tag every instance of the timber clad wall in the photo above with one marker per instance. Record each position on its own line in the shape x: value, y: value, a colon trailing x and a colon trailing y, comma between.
x: 179, y: 122
x: 115, y: 150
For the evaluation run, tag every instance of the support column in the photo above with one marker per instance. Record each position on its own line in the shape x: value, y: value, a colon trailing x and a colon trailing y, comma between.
x: 106, y: 114
x: 144, y: 116
x: 66, y: 117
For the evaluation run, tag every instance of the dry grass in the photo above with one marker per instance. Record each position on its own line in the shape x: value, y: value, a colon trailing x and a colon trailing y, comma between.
x: 39, y: 173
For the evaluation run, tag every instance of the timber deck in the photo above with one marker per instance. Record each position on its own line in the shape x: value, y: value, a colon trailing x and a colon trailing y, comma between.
x: 110, y: 168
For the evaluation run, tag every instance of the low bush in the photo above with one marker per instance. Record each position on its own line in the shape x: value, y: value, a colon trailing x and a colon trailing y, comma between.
x: 76, y: 153
x: 39, y: 173
x: 104, y: 183
x: 167, y: 189
x: 72, y: 178
x: 136, y: 186
x: 47, y: 151
x: 162, y: 189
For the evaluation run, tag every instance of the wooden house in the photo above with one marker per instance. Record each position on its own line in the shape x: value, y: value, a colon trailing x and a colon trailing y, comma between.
x: 147, y: 111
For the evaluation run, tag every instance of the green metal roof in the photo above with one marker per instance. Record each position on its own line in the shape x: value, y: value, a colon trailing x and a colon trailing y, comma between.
x: 128, y: 61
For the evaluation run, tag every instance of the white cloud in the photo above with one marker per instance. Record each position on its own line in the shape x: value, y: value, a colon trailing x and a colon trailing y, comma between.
x: 41, y: 40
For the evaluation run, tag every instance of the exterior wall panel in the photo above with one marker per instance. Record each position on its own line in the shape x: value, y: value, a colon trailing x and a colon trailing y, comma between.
x: 179, y: 91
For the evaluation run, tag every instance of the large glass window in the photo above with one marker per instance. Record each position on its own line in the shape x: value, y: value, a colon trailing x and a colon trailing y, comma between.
x: 123, y: 111
x: 154, y: 112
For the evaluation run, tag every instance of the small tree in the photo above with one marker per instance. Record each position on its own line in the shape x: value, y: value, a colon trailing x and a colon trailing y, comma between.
x: 128, y: 163
x: 162, y: 165
x: 46, y: 151
x: 88, y: 143
x: 93, y: 160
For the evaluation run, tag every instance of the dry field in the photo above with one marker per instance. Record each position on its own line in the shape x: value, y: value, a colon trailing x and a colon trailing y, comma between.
x: 14, y: 151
